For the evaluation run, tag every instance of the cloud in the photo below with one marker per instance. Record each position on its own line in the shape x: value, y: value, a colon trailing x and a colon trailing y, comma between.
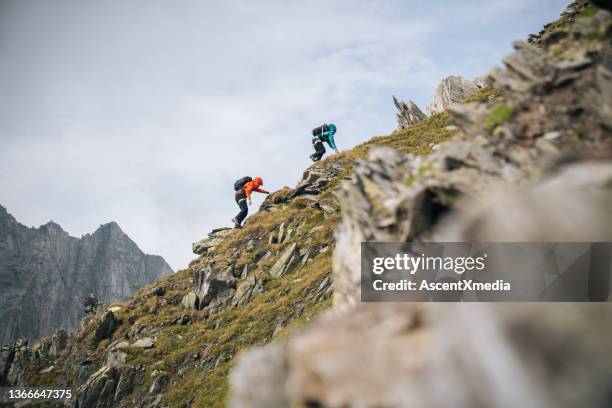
x: 145, y: 112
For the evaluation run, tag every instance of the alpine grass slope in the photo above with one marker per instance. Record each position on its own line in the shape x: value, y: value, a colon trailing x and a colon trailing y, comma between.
x: 540, y: 132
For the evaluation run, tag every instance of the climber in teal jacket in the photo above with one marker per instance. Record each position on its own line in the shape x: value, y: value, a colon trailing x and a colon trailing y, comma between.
x: 324, y: 133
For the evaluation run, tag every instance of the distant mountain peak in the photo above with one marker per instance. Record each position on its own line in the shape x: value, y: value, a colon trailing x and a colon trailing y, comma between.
x: 51, y: 273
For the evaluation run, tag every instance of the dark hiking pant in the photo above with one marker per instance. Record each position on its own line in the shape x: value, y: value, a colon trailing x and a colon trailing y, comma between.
x: 242, y: 203
x: 319, y: 151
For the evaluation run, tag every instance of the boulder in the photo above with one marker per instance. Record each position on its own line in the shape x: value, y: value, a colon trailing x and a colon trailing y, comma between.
x: 257, y: 377
x: 284, y: 262
x: 159, y: 384
x: 154, y: 291
x: 7, y: 355
x: 451, y: 90
x: 281, y: 233
x: 327, y: 209
x: 59, y: 342
x: 408, y: 113
x: 482, y: 81
x: 82, y: 371
x: 315, y: 179
x: 18, y: 368
x: 215, y: 237
x: 99, y: 389
x: 396, y: 355
x: 247, y: 290
x: 571, y: 205
x: 105, y: 327
x: 144, y: 343
x: 40, y: 350
x: 128, y: 380
x: 213, y: 287
x: 182, y: 320
x: 115, y: 358
x: 275, y: 199
x: 190, y: 300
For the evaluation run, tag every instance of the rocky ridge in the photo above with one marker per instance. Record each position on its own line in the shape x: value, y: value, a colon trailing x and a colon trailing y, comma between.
x: 451, y: 90
x: 45, y: 275
x: 408, y: 113
x: 277, y: 267
x: 532, y: 164
x: 175, y: 342
x: 246, y: 288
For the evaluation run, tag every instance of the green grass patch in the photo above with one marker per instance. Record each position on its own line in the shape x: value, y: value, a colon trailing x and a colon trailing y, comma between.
x: 483, y: 95
x: 499, y: 115
x: 589, y: 11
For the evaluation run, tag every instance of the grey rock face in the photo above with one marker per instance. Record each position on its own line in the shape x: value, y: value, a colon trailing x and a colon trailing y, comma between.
x: 247, y: 290
x: 105, y: 327
x: 214, y: 238
x: 578, y: 195
x: 262, y: 373
x: 451, y: 90
x: 398, y: 197
x: 147, y: 342
x: 285, y: 262
x: 14, y: 359
x: 315, y: 179
x: 99, y: 389
x: 214, y: 288
x: 190, y: 300
x: 473, y: 355
x: 7, y: 355
x: 538, y: 175
x: 59, y: 341
x: 408, y: 113
x: 482, y: 81
x: 45, y: 275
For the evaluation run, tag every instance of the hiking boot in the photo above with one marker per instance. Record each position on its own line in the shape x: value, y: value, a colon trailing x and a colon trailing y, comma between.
x: 236, y: 223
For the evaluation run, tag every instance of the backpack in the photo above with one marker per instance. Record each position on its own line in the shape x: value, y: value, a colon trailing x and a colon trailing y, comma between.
x: 241, y: 182
x: 318, y: 131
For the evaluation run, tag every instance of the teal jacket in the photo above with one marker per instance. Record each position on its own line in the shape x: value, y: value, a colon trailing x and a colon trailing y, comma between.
x: 327, y: 136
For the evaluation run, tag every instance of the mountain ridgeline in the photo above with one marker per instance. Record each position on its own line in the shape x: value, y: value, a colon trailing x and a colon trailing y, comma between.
x: 270, y: 315
x: 45, y: 275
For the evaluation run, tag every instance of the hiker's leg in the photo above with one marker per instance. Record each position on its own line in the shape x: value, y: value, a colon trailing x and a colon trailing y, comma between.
x: 244, y: 209
x: 319, y: 151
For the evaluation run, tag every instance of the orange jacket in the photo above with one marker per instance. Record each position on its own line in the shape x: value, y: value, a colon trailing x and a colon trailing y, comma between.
x: 254, y: 186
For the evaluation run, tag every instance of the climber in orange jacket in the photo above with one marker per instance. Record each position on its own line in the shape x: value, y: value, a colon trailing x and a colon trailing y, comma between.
x: 243, y: 189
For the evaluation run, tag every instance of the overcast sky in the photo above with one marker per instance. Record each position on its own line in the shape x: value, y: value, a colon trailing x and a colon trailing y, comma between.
x: 144, y: 112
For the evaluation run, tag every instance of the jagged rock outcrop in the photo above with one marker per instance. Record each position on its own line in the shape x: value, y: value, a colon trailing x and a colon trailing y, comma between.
x: 188, y: 328
x: 45, y: 275
x: 107, y: 387
x: 105, y: 327
x: 577, y: 194
x: 285, y: 262
x: 532, y: 165
x: 216, y: 278
x: 482, y: 81
x: 315, y: 179
x: 215, y: 237
x: 473, y: 355
x: 214, y: 288
x: 408, y: 113
x: 451, y: 90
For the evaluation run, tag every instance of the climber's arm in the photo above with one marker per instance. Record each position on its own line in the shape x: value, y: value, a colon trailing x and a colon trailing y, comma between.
x: 331, y: 142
